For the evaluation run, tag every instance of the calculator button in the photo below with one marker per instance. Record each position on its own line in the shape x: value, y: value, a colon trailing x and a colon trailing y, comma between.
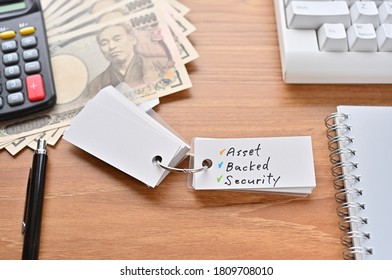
x: 30, y: 55
x: 29, y: 42
x: 14, y: 85
x: 12, y: 72
x: 35, y: 88
x: 27, y: 30
x: 15, y: 99
x: 9, y: 46
x: 1, y: 102
x: 7, y: 34
x: 32, y: 67
x: 10, y: 59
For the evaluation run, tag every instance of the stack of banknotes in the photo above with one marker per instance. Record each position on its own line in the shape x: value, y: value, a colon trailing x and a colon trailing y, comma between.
x: 141, y: 46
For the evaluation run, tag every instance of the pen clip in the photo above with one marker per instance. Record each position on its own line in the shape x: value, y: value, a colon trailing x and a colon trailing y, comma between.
x: 26, y: 202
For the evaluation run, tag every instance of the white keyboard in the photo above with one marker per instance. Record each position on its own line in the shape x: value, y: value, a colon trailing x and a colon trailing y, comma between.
x: 336, y: 41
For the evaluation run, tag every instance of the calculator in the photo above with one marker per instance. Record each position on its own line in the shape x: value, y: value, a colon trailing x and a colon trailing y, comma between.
x: 26, y: 78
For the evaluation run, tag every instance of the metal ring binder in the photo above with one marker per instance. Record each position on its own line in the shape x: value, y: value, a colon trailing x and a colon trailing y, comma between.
x: 333, y: 117
x: 343, y: 209
x: 339, y: 145
x: 335, y: 156
x: 340, y: 195
x: 343, y: 181
x: 346, y: 239
x: 339, y: 126
x: 205, y: 165
x: 345, y: 222
x: 349, y: 253
x: 340, y: 165
x: 335, y: 141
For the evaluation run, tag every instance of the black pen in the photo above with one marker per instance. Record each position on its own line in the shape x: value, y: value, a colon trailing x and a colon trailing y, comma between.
x: 31, y: 226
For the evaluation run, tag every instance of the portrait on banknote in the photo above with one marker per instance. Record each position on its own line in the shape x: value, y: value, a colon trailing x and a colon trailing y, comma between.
x: 135, y: 57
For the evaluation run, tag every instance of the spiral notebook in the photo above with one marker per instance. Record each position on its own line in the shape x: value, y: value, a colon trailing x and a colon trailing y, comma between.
x: 360, y: 144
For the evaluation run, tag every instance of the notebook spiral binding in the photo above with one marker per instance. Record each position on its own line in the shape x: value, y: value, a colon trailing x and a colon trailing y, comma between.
x: 347, y: 185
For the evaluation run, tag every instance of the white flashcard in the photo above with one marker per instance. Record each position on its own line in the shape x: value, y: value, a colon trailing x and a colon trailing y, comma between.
x: 115, y: 130
x: 279, y: 164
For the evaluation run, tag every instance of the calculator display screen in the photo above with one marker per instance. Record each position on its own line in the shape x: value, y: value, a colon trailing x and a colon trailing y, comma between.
x: 10, y: 6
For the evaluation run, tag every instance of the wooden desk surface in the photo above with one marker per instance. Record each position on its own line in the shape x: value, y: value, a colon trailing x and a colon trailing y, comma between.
x: 93, y: 211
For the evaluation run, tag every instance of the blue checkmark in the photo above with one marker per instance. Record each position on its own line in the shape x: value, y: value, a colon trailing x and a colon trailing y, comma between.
x: 220, y: 164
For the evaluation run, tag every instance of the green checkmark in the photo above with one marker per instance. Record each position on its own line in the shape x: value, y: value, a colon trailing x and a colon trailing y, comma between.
x: 219, y: 178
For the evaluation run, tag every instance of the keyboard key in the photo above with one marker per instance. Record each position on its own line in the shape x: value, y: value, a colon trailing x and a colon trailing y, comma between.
x: 385, y: 12
x: 362, y: 37
x: 332, y: 37
x: 35, y: 88
x: 349, y: 2
x: 384, y: 37
x: 365, y: 12
x: 378, y: 2
x: 15, y: 99
x: 312, y: 14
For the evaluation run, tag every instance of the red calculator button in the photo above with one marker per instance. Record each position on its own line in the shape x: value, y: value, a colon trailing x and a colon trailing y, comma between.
x: 35, y: 88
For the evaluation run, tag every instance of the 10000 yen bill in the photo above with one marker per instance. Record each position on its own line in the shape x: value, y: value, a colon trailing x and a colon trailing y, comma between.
x: 68, y: 22
x: 137, y: 49
x: 92, y: 62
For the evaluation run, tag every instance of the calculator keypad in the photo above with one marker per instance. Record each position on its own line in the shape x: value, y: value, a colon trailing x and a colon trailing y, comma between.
x: 23, y: 80
x: 26, y: 78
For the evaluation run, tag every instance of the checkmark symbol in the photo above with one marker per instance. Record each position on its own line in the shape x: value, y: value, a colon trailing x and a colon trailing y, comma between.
x: 219, y: 178
x: 222, y: 151
x: 220, y: 164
